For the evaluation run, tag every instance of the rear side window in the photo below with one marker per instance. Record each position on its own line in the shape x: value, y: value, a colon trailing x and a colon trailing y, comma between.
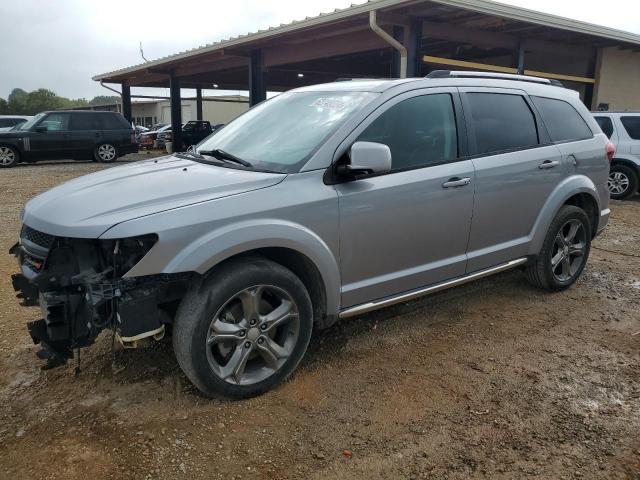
x: 501, y: 122
x: 632, y: 126
x: 420, y: 131
x: 84, y: 121
x: 112, y: 121
x: 563, y: 121
x: 606, y: 125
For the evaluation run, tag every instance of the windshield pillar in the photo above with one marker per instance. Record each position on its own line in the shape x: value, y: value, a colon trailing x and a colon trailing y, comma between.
x: 257, y: 84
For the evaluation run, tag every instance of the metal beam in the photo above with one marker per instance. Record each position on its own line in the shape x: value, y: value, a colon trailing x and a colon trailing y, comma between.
x: 126, y: 101
x: 257, y: 85
x: 520, y: 57
x: 176, y: 113
x: 198, y: 104
x: 414, y: 48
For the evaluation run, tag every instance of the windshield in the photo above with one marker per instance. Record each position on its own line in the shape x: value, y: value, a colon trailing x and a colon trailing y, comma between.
x: 281, y: 134
x: 29, y: 123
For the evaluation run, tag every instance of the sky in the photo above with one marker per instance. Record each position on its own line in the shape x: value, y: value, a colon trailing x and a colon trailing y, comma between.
x: 61, y: 44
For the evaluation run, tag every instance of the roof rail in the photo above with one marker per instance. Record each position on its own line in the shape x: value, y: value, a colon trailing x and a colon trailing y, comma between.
x: 494, y: 75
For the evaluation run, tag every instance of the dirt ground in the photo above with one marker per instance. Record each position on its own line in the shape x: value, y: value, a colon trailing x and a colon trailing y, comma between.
x: 491, y: 380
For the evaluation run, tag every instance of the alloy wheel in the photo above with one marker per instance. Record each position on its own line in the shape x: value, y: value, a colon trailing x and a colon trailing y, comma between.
x: 618, y: 183
x: 7, y: 156
x: 106, y: 152
x: 252, y: 335
x: 568, y: 253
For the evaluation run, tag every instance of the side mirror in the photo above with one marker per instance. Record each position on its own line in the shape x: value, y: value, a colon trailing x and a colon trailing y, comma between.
x: 367, y: 158
x: 41, y: 128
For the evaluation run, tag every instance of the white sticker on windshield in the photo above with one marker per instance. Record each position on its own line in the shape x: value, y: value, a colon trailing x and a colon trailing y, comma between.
x: 329, y: 103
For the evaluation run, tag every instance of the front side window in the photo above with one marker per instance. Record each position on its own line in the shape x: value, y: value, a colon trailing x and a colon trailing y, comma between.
x: 606, y: 125
x: 502, y: 122
x: 632, y: 126
x: 563, y: 122
x: 420, y: 131
x: 282, y: 133
x: 56, y: 122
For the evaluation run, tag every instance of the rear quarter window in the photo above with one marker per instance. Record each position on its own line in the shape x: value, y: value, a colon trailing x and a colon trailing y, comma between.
x: 563, y: 122
x: 632, y: 126
x: 113, y: 121
x: 606, y: 125
x: 502, y: 122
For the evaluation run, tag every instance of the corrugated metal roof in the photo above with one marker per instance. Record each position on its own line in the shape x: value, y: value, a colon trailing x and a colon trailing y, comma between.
x: 480, y: 6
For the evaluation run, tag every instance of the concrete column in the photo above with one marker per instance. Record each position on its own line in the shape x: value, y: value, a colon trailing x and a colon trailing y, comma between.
x: 257, y: 84
x: 126, y: 101
x: 198, y: 104
x: 176, y: 113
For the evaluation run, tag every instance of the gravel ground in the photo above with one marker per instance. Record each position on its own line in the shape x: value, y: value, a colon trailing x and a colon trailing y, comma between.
x: 490, y: 380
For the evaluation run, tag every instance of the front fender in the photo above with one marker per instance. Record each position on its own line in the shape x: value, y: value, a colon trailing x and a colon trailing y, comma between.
x: 571, y: 186
x: 210, y: 249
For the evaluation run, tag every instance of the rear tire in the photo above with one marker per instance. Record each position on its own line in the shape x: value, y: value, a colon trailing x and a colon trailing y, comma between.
x: 623, y: 182
x: 243, y: 329
x: 9, y: 156
x: 565, y: 251
x: 105, y: 153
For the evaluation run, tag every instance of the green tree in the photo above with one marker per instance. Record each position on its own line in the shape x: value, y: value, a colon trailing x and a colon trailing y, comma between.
x: 42, y: 99
x: 104, y: 100
x: 17, y: 101
x: 4, y: 107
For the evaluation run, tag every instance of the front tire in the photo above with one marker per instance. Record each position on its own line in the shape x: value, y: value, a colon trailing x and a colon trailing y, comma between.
x: 565, y: 251
x: 9, y: 156
x: 105, y: 153
x: 622, y: 182
x: 243, y: 329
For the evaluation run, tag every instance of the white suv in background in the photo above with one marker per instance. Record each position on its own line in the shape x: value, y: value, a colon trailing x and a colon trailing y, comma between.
x: 624, y: 131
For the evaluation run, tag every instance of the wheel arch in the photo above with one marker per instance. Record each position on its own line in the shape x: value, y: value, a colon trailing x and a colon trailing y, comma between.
x: 289, y: 244
x: 627, y: 162
x: 577, y: 190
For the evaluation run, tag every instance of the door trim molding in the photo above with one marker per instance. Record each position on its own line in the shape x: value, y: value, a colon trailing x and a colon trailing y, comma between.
x: 404, y: 297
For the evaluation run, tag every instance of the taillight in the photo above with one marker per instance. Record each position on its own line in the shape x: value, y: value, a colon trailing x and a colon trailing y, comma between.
x: 611, y: 151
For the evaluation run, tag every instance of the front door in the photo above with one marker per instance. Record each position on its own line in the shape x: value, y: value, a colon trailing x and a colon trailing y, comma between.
x: 517, y: 168
x: 407, y: 228
x: 56, y: 141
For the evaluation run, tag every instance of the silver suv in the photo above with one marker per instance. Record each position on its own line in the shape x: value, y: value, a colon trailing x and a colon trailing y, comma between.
x: 322, y: 203
x: 624, y: 131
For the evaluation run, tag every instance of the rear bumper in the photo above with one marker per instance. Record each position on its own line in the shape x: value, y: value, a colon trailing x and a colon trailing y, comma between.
x: 129, y: 148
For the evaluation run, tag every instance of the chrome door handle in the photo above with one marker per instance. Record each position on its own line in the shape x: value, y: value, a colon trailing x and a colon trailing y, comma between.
x: 547, y: 164
x: 456, y: 182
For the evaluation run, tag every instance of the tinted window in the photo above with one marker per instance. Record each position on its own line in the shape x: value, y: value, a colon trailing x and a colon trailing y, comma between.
x: 84, y: 121
x: 606, y: 125
x: 112, y: 121
x: 502, y: 122
x: 10, y: 122
x: 420, y: 131
x: 56, y: 122
x: 632, y: 126
x: 563, y: 122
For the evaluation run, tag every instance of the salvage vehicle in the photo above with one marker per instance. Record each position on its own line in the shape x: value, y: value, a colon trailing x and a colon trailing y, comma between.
x: 149, y: 139
x: 193, y: 132
x: 80, y: 135
x: 7, y: 122
x: 321, y: 203
x: 624, y: 131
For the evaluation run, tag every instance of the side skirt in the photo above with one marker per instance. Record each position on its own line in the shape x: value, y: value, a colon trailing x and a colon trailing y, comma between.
x: 406, y: 296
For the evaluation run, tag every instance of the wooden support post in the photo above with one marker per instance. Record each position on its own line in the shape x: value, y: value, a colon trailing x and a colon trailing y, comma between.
x: 257, y: 85
x: 176, y: 113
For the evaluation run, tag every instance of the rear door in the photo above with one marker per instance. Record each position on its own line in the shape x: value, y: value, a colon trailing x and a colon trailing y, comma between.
x: 86, y: 133
x: 517, y: 168
x: 409, y: 227
x: 56, y: 141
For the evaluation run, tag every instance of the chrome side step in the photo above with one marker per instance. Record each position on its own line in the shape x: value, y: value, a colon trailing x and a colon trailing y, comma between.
x: 405, y: 297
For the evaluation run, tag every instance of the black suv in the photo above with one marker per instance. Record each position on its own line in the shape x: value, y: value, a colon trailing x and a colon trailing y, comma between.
x: 101, y: 136
x: 193, y: 132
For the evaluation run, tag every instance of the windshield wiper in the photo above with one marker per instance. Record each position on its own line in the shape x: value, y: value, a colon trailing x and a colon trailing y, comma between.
x: 222, y: 155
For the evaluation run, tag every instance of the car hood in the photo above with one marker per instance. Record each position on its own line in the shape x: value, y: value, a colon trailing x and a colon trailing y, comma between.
x: 88, y: 206
x: 9, y: 133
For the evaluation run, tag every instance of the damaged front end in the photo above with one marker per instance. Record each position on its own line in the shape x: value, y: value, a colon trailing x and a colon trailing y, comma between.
x: 81, y: 287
